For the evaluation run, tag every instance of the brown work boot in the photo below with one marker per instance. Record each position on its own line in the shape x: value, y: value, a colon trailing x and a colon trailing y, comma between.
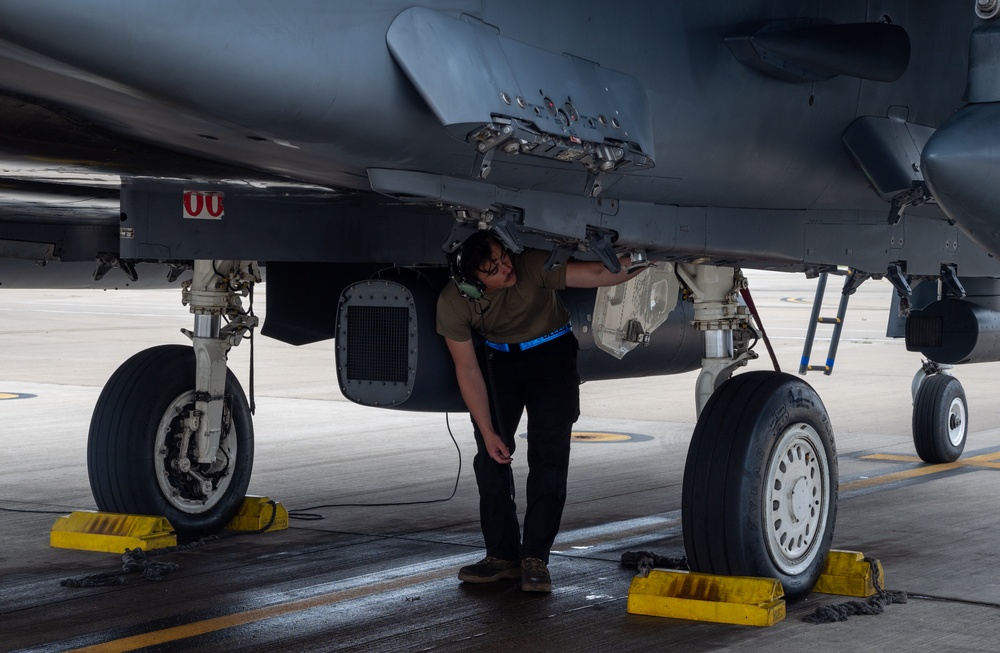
x: 535, y: 576
x: 489, y: 570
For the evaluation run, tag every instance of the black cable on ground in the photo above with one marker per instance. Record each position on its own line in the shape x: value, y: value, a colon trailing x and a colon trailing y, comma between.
x: 33, y: 512
x: 305, y: 514
x: 952, y: 599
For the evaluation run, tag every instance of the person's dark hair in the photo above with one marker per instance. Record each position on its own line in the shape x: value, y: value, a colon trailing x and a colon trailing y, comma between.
x: 476, y: 249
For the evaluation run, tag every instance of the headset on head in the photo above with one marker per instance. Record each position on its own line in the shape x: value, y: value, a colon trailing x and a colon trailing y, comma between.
x: 471, y: 289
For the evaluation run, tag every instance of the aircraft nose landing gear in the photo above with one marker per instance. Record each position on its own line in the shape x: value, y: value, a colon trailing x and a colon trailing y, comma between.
x: 171, y: 433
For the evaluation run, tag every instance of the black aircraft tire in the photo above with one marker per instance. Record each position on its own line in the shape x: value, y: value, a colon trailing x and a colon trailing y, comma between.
x: 760, y: 483
x: 940, y: 419
x: 128, y: 450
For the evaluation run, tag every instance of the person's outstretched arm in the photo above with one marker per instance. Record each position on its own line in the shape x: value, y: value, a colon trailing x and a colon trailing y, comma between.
x: 593, y: 274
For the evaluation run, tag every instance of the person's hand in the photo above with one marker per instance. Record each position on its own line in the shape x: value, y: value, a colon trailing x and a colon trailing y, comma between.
x: 497, y: 450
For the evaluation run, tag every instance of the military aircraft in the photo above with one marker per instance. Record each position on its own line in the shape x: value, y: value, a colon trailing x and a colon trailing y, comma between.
x: 346, y: 148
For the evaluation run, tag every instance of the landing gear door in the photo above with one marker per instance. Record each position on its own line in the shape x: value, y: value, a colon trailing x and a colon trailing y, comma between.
x: 626, y: 315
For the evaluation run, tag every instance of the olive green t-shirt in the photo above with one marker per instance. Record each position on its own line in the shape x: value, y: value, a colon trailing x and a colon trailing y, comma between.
x: 527, y: 310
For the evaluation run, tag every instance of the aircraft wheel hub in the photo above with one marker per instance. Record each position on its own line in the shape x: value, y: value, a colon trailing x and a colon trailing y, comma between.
x: 956, y: 421
x: 192, y: 488
x: 800, y: 503
x: 798, y: 495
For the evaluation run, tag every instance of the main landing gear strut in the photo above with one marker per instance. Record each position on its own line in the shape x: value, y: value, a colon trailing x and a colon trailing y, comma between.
x: 171, y: 434
x: 760, y: 481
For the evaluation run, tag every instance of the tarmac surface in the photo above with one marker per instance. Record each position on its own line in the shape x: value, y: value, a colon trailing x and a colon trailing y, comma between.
x: 382, y: 577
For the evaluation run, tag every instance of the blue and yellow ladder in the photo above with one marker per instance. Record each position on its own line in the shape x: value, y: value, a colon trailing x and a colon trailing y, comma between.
x: 815, y: 320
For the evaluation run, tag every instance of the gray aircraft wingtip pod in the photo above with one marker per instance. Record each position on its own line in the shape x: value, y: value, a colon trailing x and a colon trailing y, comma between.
x: 196, y: 143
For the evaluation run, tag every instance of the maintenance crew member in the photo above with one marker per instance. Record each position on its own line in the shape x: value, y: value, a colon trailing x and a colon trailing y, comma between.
x: 528, y: 362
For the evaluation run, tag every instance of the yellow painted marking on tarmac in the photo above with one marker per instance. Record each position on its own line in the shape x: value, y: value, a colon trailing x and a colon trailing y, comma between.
x: 597, y: 436
x: 898, y: 476
x: 241, y: 618
x: 985, y: 461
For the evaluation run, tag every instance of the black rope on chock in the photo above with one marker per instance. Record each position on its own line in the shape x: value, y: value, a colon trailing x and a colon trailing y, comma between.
x: 828, y: 614
x: 136, y: 561
x: 646, y: 561
x: 133, y: 561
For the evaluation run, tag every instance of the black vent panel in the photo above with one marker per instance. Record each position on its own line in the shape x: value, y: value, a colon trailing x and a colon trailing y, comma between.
x: 377, y: 343
x: 924, y: 331
x: 377, y: 335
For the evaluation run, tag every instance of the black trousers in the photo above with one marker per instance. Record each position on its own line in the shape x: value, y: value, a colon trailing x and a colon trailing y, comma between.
x: 544, y: 381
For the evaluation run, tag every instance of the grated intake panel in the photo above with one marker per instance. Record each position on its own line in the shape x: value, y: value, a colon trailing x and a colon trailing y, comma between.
x: 377, y: 340
x: 388, y: 351
x: 376, y: 343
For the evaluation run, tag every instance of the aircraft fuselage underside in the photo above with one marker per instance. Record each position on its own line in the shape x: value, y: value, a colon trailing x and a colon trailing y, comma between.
x: 349, y: 147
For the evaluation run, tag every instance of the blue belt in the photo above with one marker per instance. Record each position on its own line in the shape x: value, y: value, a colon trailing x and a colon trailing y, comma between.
x: 502, y: 346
